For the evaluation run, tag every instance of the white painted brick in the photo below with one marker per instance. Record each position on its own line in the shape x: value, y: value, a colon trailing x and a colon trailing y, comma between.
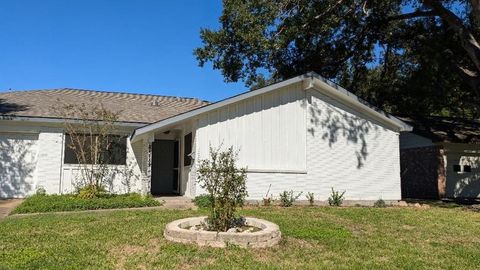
x: 50, y: 161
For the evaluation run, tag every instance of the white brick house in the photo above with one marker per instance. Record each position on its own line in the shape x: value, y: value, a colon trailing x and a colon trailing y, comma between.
x: 303, y: 134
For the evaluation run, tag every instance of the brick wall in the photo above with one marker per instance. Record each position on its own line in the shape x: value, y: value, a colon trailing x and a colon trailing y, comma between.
x: 422, y: 173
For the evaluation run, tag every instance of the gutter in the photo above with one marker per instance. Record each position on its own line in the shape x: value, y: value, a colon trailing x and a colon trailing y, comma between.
x: 62, y: 120
x: 342, y: 95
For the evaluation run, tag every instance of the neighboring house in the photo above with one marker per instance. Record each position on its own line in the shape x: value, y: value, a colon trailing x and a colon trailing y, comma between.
x: 441, y: 158
x: 303, y: 134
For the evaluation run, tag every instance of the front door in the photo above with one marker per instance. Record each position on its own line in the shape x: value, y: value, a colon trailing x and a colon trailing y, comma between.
x: 164, y: 179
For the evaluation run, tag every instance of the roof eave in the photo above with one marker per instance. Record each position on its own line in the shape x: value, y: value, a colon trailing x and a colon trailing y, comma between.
x: 52, y: 120
x: 323, y: 85
x: 184, y: 116
x: 309, y: 80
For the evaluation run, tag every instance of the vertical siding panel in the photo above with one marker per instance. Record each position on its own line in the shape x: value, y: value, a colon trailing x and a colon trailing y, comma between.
x: 213, y: 130
x: 267, y: 129
x: 223, y: 126
x: 241, y: 132
x: 301, y: 129
x: 282, y: 131
x: 289, y: 106
x: 258, y: 138
x: 276, y: 142
x: 232, y: 127
x: 249, y: 123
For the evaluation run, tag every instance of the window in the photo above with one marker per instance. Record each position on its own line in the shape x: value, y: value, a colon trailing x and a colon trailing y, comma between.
x: 467, y: 168
x: 116, y: 153
x: 187, y: 150
x: 456, y: 168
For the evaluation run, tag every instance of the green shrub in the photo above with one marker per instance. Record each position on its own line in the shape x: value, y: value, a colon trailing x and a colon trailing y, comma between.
x: 91, y: 191
x: 267, y: 201
x: 336, y: 198
x: 225, y: 184
x: 380, y: 203
x: 203, y: 201
x: 311, y: 198
x: 58, y: 203
x: 41, y: 191
x: 287, y: 198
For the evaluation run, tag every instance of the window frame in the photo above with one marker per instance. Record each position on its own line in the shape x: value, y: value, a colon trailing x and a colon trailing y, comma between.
x: 187, y: 151
x: 70, y: 158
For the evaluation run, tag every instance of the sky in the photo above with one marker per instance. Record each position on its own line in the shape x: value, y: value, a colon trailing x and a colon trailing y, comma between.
x: 143, y: 46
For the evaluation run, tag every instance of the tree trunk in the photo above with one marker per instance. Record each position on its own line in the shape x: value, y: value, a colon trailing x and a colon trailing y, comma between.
x: 469, y: 41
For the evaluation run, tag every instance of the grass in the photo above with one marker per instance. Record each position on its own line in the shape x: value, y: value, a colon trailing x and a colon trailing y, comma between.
x: 313, y: 238
x: 57, y: 203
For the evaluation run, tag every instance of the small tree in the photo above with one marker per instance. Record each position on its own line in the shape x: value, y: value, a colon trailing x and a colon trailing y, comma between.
x: 336, y: 198
x: 225, y: 184
x: 311, y: 198
x: 89, y: 132
x: 287, y: 198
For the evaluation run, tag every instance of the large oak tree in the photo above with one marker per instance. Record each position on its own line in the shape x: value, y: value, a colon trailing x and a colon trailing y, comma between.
x: 405, y: 56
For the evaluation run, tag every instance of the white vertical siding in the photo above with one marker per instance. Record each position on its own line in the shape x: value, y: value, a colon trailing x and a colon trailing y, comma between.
x: 269, y: 131
x: 304, y: 141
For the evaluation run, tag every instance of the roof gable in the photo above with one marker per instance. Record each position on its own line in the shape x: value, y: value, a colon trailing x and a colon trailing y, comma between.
x: 445, y: 129
x: 310, y: 81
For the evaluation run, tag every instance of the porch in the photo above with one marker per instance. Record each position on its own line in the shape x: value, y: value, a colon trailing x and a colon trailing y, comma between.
x: 166, y: 163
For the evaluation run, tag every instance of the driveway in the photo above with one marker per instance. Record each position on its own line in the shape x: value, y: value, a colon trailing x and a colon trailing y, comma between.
x: 6, y: 206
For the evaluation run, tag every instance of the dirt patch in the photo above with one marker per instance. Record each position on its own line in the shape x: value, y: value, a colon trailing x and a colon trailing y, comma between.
x: 196, y: 263
x: 122, y: 252
x: 7, y: 206
x: 270, y: 254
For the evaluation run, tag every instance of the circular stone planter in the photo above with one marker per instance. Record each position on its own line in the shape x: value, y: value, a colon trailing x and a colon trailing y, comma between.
x: 269, y: 235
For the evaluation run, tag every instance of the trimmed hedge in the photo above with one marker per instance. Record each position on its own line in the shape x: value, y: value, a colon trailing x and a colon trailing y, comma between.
x: 59, y: 203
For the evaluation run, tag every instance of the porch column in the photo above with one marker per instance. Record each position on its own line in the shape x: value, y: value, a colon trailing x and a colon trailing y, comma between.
x: 147, y: 163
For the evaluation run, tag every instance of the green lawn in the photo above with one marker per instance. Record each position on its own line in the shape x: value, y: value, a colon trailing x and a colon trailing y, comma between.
x: 314, y: 238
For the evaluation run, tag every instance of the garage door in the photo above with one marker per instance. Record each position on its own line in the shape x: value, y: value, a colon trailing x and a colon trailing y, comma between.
x: 18, y: 160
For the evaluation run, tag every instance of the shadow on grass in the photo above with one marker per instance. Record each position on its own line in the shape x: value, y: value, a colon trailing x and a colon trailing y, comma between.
x: 465, y: 204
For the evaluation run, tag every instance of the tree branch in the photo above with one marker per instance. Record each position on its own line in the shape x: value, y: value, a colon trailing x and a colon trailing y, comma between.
x: 469, y: 42
x: 339, y: 2
x: 476, y: 10
x: 412, y: 15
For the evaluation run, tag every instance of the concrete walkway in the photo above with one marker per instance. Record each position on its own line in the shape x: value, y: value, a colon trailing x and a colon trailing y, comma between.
x: 176, y: 202
x: 6, y: 206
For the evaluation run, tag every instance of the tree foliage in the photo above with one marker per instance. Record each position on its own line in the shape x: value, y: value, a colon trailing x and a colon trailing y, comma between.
x: 405, y: 56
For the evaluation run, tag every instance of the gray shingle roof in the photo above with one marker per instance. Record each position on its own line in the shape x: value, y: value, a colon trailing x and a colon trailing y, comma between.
x: 445, y: 129
x: 139, y: 108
